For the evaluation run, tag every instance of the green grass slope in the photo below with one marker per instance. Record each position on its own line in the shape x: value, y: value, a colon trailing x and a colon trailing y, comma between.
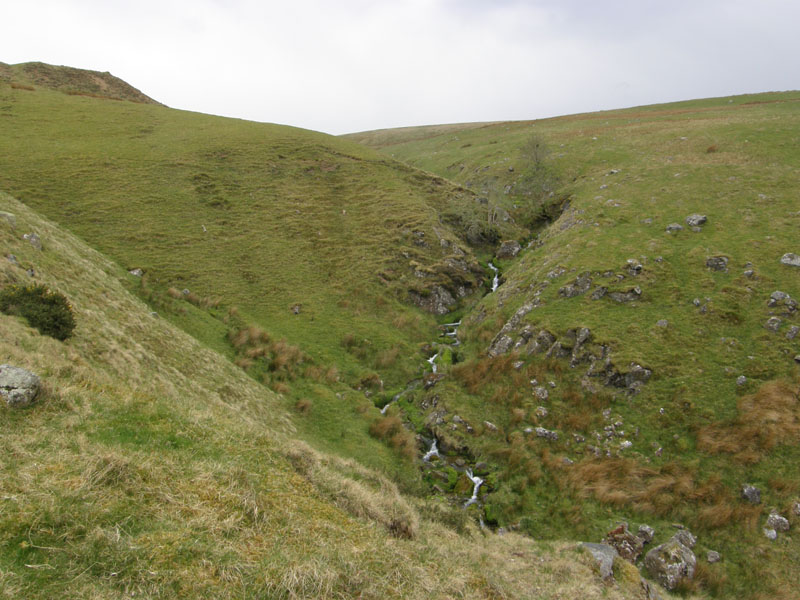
x: 324, y: 246
x: 152, y: 467
x: 682, y: 447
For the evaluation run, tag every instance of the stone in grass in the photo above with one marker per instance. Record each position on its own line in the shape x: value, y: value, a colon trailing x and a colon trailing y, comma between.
x: 792, y: 333
x: 671, y: 563
x: 696, y: 220
x: 773, y: 323
x: 770, y: 533
x: 9, y: 218
x: 508, y: 249
x: 646, y: 533
x: 604, y: 555
x: 628, y: 546
x: 672, y: 227
x: 791, y: 259
x: 713, y: 557
x: 662, y: 323
x: 18, y: 387
x: 34, y: 240
x: 741, y: 380
x: 717, y: 263
x: 777, y: 522
x: 751, y: 493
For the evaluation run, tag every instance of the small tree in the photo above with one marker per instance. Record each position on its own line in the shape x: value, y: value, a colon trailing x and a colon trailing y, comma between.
x: 44, y: 309
x: 537, y: 181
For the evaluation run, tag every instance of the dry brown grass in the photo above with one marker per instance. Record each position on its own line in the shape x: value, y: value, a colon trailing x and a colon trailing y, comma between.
x: 386, y: 358
x: 21, y: 86
x: 765, y: 419
x: 391, y: 429
x: 303, y: 406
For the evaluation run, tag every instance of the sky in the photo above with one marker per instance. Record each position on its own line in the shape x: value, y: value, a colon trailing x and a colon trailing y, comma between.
x: 343, y: 66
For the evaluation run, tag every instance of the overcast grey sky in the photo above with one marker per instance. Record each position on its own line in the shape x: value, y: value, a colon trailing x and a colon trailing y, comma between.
x: 349, y: 65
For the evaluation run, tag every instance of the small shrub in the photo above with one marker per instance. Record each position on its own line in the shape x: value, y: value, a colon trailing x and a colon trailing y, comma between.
x: 47, y: 311
x: 711, y: 149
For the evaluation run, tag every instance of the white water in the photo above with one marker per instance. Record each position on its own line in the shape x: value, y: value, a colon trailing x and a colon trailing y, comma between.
x: 477, y: 481
x: 434, y: 451
x: 496, y: 280
x: 432, y: 361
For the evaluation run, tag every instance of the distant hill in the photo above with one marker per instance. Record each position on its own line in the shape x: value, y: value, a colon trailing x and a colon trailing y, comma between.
x: 72, y: 81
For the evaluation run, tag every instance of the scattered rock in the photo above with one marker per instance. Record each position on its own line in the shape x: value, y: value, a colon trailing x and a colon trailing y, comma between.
x: 670, y: 563
x: 580, y: 286
x: 558, y: 272
x: 773, y: 323
x: 604, y: 555
x: 777, y: 522
x: 541, y: 412
x: 509, y: 249
x: 751, y: 493
x: 776, y: 297
x: 791, y: 259
x: 185, y: 291
x: 796, y: 509
x: 599, y: 292
x: 646, y: 533
x: 662, y: 323
x: 797, y: 358
x: 546, y: 433
x: 627, y: 296
x: 627, y: 545
x: 430, y: 380
x: 12, y: 259
x: 770, y: 533
x: 749, y: 273
x: 137, y: 272
x: 296, y: 308
x: 685, y: 537
x: 672, y: 227
x: 34, y: 240
x: 713, y: 557
x: 9, y: 218
x: 696, y: 220
x: 541, y: 392
x: 717, y: 263
x: 490, y: 426
x: 18, y: 386
x: 792, y: 333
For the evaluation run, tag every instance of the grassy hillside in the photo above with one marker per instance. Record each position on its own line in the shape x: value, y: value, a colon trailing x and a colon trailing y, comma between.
x: 150, y: 466
x: 319, y: 248
x: 721, y: 407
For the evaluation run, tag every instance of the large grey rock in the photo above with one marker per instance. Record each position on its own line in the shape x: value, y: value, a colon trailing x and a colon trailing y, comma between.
x: 671, y: 563
x: 508, y: 249
x: 717, y: 263
x: 604, y: 555
x: 791, y: 259
x: 9, y: 218
x: 696, y: 220
x: 18, y: 387
x: 777, y: 522
x: 437, y: 301
x: 751, y: 493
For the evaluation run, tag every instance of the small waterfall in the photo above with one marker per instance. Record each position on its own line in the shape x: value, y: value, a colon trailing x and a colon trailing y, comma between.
x: 477, y: 481
x: 496, y: 280
x: 432, y: 361
x: 434, y: 451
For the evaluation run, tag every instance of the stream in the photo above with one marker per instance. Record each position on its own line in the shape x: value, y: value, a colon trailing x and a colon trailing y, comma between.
x: 448, y: 330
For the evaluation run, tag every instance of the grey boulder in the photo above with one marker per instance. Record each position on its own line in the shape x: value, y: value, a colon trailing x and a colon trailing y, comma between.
x: 671, y: 563
x: 18, y: 387
x: 791, y: 259
x: 604, y: 555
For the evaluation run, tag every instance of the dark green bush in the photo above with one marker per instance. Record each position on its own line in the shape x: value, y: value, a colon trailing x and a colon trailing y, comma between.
x: 44, y: 309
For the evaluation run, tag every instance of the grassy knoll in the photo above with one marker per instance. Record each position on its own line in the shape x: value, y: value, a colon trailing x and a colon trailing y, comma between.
x: 697, y: 431
x: 152, y: 467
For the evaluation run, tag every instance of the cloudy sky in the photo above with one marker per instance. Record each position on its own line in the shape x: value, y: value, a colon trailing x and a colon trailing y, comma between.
x: 349, y: 65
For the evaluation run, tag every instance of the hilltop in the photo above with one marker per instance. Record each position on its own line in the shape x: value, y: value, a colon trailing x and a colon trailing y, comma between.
x: 69, y: 80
